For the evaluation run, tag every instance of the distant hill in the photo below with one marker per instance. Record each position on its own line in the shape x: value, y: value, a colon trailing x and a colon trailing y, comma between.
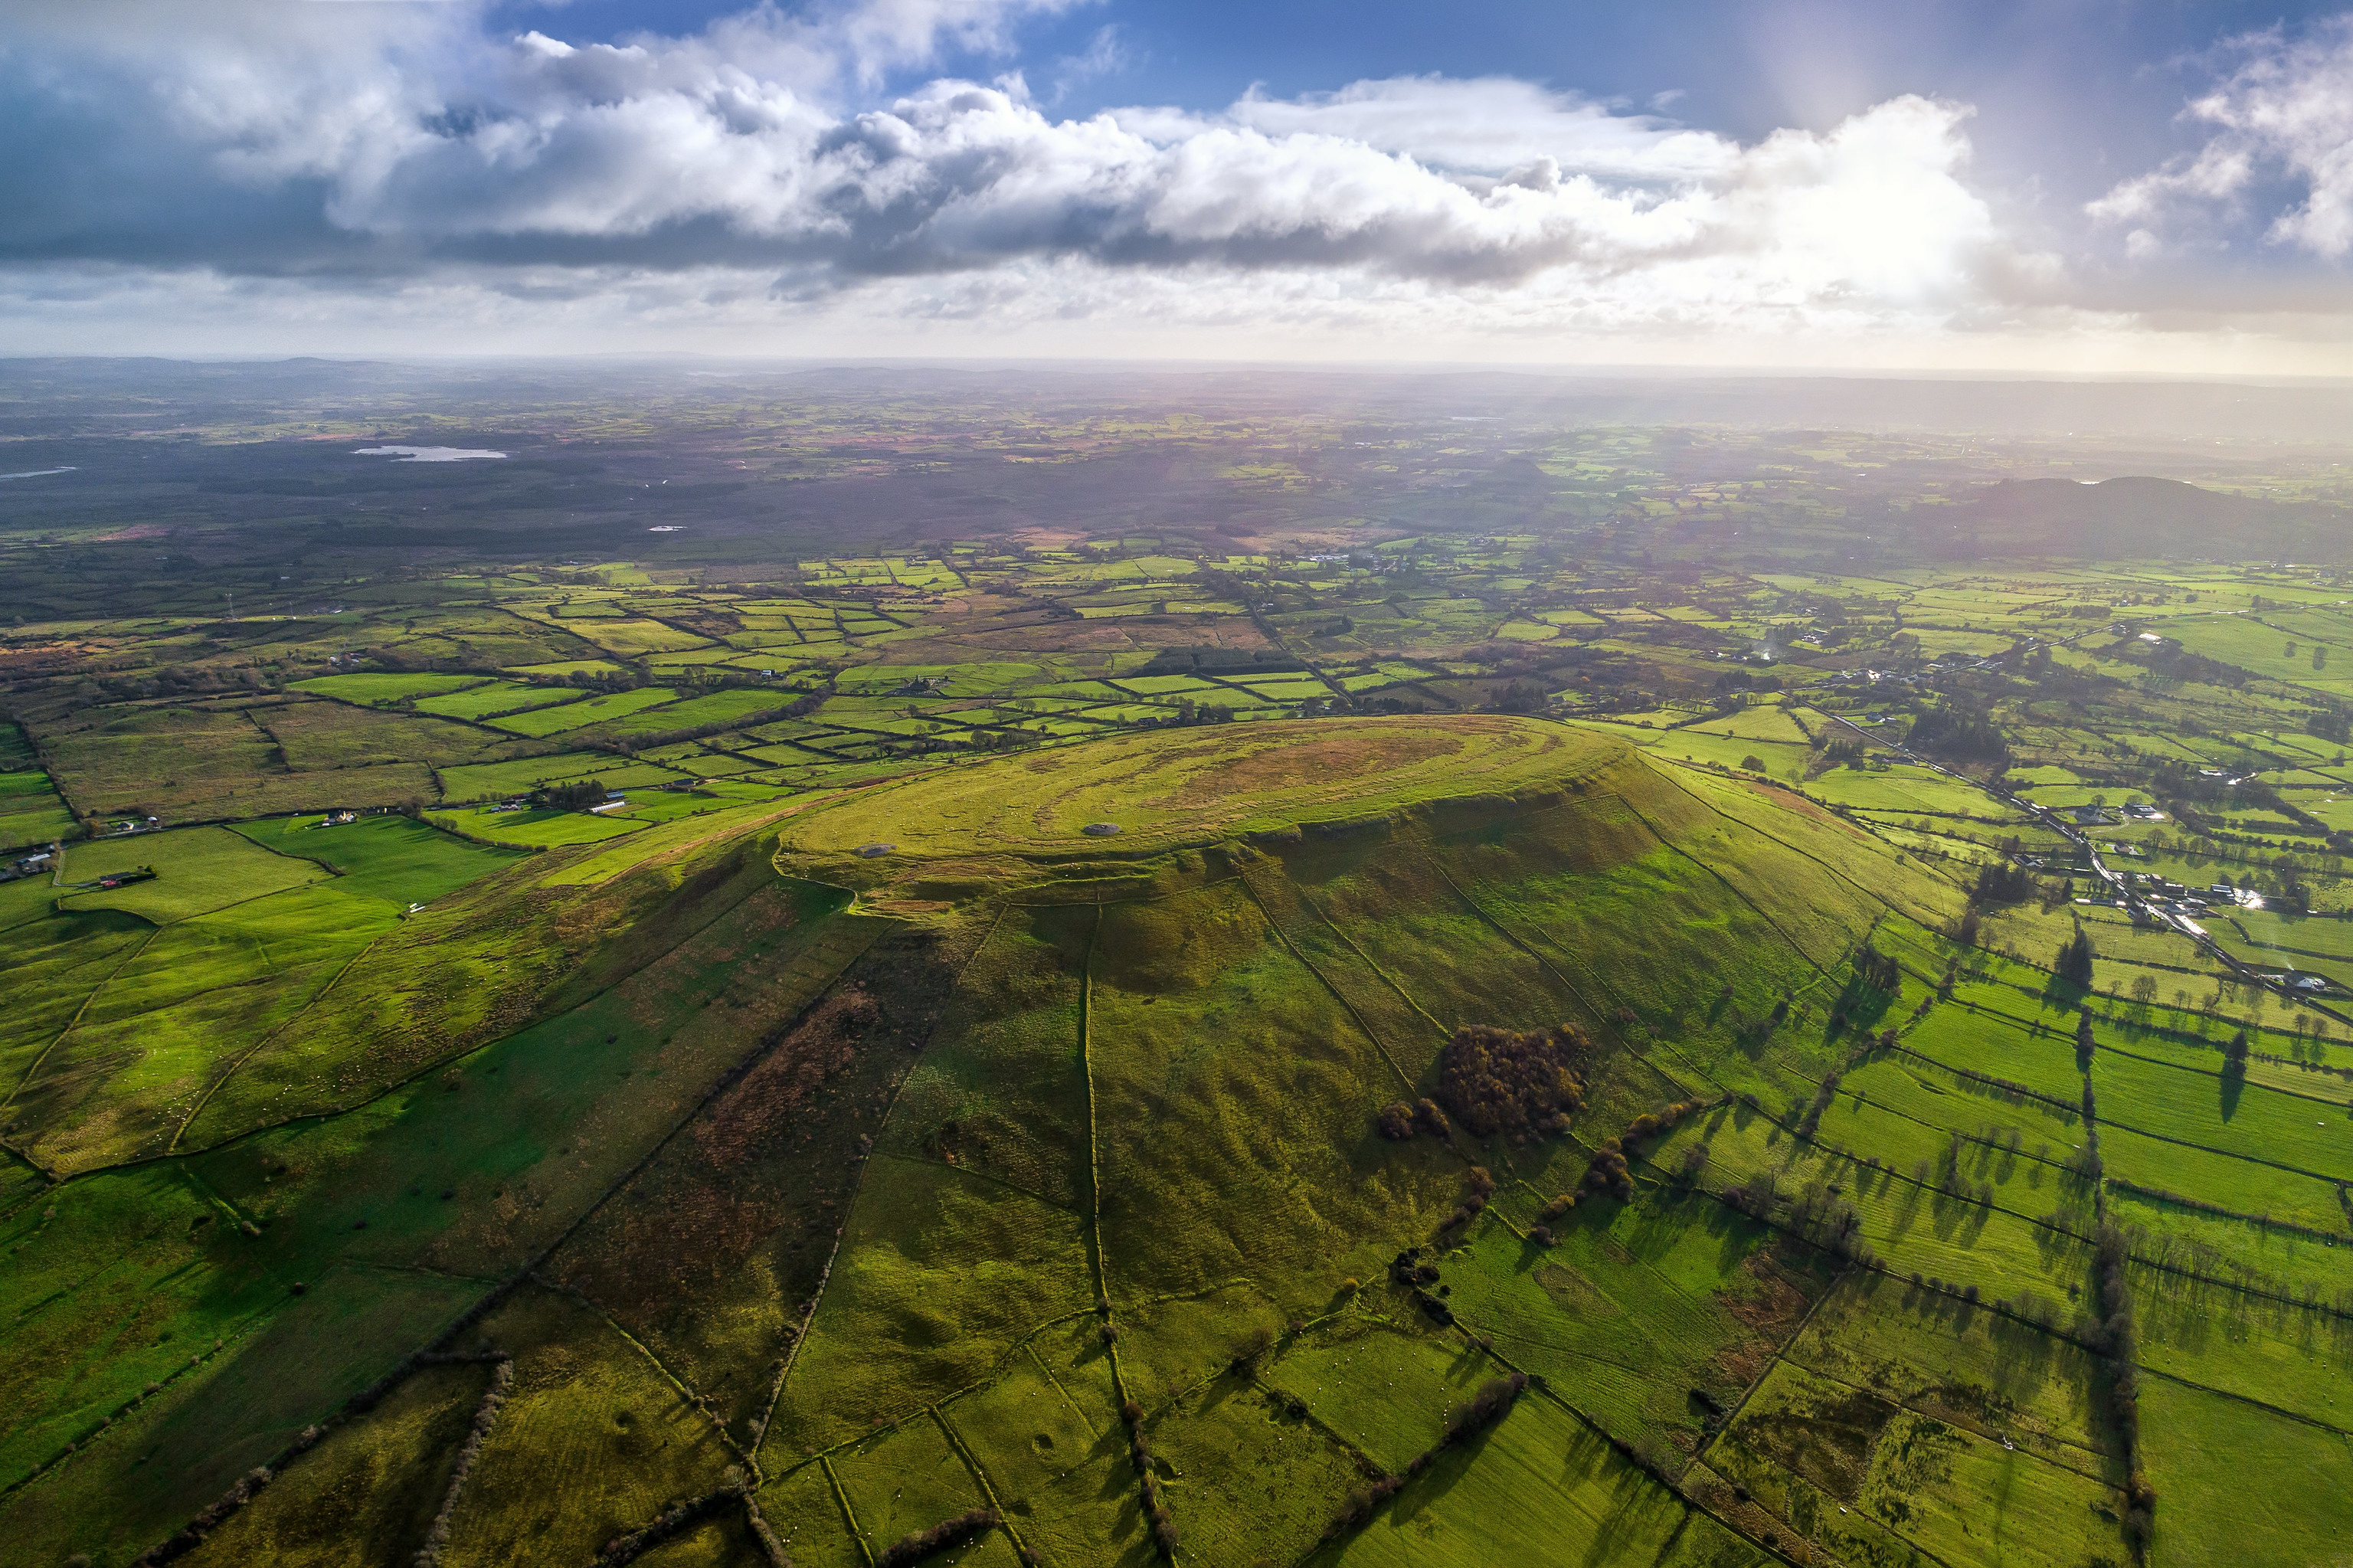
x: 2140, y: 515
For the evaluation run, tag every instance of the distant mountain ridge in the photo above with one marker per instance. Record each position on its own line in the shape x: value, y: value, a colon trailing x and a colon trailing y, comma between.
x: 2138, y: 515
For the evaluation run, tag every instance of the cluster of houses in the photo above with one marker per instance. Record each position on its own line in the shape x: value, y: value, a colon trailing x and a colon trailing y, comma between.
x: 40, y: 862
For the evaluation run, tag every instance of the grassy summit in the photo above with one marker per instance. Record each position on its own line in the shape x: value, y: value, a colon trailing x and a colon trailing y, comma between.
x: 1165, y: 788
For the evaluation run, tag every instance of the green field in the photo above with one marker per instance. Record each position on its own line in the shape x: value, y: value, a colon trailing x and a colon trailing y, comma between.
x: 565, y: 716
x: 374, y: 690
x: 535, y: 828
x: 384, y: 857
x: 197, y: 870
x: 494, y: 697
x: 1163, y: 789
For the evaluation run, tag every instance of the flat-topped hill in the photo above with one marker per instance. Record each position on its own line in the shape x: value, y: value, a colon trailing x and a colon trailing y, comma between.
x: 1148, y: 792
x: 1079, y: 1199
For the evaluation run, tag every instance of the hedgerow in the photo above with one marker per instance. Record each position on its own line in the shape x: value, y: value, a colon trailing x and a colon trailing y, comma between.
x: 922, y: 1543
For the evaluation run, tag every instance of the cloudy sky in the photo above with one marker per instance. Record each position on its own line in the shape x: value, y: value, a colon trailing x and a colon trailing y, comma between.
x: 2072, y: 185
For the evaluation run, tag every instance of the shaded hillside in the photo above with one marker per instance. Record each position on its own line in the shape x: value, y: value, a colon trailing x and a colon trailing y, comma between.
x: 2133, y: 516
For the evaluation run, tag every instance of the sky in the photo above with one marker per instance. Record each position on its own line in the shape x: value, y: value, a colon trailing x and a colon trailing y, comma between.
x: 2045, y: 187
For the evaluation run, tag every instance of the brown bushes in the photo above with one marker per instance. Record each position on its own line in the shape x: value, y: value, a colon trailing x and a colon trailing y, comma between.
x: 1396, y: 1121
x: 2140, y: 1512
x: 924, y: 1543
x: 1496, y: 1080
x: 1364, y: 1501
x: 676, y: 1519
x: 1139, y: 1454
x: 1481, y: 1186
x: 1608, y: 1171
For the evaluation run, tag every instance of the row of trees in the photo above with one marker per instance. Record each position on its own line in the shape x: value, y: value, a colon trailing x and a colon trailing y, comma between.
x: 919, y: 1544
x: 578, y: 795
x: 2112, y: 1333
x: 1155, y: 1511
x: 673, y: 1522
x: 486, y: 1417
x: 1400, y: 1121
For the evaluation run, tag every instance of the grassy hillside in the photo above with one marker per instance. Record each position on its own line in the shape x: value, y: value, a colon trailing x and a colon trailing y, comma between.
x: 861, y: 1149
x: 836, y: 1168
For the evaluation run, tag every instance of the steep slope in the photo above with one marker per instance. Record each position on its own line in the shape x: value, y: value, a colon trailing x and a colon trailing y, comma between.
x: 925, y: 1151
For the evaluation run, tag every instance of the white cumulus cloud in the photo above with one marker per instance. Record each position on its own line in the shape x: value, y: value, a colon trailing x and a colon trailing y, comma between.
x: 413, y: 144
x: 2286, y: 111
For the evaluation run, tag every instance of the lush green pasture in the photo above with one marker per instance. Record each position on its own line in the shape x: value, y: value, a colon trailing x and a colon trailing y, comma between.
x: 1784, y: 760
x: 1905, y: 789
x: 2238, y: 1483
x: 718, y: 707
x: 196, y: 870
x: 2211, y: 1111
x: 494, y: 697
x: 565, y: 716
x: 384, y: 857
x: 31, y: 810
x: 1541, y: 1488
x: 629, y: 638
x: 493, y: 781
x: 1636, y: 1305
x: 371, y: 690
x: 535, y: 828
x: 2292, y: 1357
x: 150, y: 1040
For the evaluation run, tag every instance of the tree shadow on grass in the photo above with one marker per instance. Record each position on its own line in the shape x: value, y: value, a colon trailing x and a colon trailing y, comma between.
x: 1444, y: 1473
x: 2063, y: 995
